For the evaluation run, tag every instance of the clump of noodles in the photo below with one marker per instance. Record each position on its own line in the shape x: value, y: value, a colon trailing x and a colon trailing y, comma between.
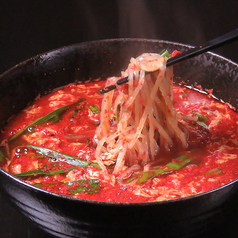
x: 140, y: 120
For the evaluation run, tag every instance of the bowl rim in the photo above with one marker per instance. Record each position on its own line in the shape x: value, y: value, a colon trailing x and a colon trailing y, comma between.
x: 32, y: 58
x: 102, y: 203
x: 108, y: 204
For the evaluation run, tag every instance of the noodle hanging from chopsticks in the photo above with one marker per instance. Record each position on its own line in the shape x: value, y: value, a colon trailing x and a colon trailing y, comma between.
x: 139, y: 119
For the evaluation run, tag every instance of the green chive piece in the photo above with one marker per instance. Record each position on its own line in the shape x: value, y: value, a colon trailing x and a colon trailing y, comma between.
x: 201, y: 117
x: 87, y: 186
x: 165, y: 53
x: 213, y: 172
x: 150, y: 174
x: 54, y: 117
x: 94, y: 108
x: 77, y: 186
x: 177, y: 164
x: 203, y: 124
x: 72, y: 160
x: 42, y: 172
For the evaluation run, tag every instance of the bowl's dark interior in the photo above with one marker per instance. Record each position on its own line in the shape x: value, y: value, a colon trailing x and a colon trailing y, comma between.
x: 92, y: 60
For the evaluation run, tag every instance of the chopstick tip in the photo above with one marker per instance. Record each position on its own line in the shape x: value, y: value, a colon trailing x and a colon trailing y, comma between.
x: 107, y: 89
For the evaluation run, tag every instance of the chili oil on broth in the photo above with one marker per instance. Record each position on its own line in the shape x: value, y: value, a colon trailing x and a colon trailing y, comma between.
x: 58, y: 153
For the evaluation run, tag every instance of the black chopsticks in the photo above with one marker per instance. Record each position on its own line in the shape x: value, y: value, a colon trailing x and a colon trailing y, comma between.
x: 221, y: 40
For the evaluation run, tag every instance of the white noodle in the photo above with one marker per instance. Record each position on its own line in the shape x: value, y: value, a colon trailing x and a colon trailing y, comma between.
x: 132, y: 118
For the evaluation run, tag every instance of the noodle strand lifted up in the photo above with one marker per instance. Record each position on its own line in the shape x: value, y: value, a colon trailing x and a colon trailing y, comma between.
x: 138, y: 119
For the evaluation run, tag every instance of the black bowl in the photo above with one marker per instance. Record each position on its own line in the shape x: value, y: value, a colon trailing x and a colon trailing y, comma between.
x: 63, y: 216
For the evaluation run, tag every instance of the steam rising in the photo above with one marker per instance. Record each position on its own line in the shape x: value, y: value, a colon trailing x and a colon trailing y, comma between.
x: 135, y: 19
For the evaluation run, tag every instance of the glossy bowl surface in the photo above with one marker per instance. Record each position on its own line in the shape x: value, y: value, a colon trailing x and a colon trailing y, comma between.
x: 68, y: 217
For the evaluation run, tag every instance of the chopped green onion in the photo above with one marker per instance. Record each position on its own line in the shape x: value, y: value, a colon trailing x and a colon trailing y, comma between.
x: 40, y: 185
x: 94, y: 108
x: 150, y: 174
x: 87, y: 185
x: 53, y: 117
x: 42, y: 172
x: 184, y: 94
x: 76, y: 110
x: 203, y: 124
x: 177, y: 164
x: 96, y: 124
x: 73, y: 160
x: 213, y: 172
x: 165, y: 53
x: 201, y: 117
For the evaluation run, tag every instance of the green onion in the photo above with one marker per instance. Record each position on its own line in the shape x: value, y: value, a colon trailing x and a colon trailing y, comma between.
x: 87, y: 185
x: 150, y: 174
x: 203, y: 124
x: 76, y: 110
x: 96, y: 124
x: 179, y: 163
x: 72, y: 160
x: 201, y: 117
x: 42, y: 172
x: 213, y: 172
x: 94, y: 108
x: 165, y: 53
x: 185, y: 94
x: 53, y: 117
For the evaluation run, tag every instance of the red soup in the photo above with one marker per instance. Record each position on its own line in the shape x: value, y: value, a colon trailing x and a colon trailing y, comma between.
x: 50, y: 145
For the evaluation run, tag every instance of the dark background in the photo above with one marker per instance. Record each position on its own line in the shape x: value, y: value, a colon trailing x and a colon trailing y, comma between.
x: 31, y: 27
